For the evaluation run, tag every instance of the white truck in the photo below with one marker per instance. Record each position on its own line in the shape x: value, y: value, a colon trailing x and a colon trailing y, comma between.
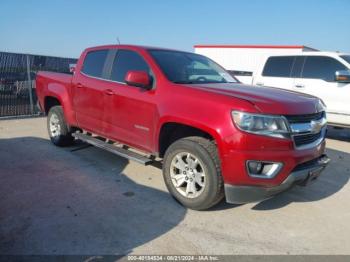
x: 298, y: 68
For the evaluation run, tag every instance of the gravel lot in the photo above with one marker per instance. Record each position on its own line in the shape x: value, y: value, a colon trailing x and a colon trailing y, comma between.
x: 87, y: 201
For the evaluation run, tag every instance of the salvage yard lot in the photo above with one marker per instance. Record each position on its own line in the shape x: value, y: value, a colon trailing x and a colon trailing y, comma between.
x: 79, y: 200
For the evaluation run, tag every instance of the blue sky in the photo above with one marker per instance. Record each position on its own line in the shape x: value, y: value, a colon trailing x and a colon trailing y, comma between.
x: 65, y: 28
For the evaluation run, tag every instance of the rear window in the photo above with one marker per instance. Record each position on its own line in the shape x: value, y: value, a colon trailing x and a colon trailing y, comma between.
x: 278, y: 66
x: 94, y: 63
x: 321, y: 67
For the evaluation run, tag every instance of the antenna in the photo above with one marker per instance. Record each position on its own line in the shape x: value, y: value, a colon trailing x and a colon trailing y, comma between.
x: 118, y: 40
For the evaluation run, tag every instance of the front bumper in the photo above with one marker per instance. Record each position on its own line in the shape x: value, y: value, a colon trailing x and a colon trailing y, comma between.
x: 301, y: 175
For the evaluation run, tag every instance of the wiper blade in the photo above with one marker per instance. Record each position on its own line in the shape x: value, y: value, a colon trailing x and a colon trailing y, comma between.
x: 202, y: 82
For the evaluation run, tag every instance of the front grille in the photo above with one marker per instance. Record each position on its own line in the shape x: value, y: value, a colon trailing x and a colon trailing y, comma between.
x: 292, y: 119
x: 306, y: 138
x: 301, y: 140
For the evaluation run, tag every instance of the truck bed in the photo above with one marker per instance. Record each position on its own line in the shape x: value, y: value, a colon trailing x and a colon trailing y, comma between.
x: 56, y: 77
x: 48, y: 81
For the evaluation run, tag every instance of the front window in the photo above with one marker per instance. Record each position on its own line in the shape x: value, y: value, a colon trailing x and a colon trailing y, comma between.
x: 346, y: 58
x: 188, y: 68
x: 125, y: 61
x: 321, y: 67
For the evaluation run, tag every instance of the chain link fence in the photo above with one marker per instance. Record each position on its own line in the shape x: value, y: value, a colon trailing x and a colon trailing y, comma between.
x: 17, y: 80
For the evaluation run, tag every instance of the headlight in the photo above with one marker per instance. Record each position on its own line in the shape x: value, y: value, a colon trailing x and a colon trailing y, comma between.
x: 267, y: 125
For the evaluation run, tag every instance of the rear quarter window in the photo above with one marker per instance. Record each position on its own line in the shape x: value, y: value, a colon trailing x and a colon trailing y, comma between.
x: 94, y: 62
x: 278, y: 66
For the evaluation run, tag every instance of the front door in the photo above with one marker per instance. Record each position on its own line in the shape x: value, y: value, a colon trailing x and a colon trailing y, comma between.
x: 130, y: 112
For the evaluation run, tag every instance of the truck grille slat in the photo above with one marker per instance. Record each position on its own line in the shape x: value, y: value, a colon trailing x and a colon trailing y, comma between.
x: 292, y: 119
x: 301, y: 140
x: 306, y: 139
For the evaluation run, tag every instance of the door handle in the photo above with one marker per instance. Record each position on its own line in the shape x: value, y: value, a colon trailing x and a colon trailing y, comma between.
x: 79, y: 85
x: 109, y: 92
x: 299, y: 86
x: 259, y: 84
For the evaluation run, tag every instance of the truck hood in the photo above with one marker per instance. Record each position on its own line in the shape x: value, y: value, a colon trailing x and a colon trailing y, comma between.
x: 267, y: 100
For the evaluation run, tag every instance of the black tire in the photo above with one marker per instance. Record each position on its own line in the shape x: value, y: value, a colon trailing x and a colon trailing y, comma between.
x: 64, y: 138
x: 206, y: 152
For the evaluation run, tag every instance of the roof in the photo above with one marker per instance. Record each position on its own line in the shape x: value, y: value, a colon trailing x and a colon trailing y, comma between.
x: 129, y: 47
x: 318, y: 53
x: 258, y: 46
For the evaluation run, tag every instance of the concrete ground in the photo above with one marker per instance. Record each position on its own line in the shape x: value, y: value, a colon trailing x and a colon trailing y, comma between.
x: 70, y: 201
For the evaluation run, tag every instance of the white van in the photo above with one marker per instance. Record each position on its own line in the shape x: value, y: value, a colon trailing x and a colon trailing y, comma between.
x: 322, y: 74
x: 298, y: 68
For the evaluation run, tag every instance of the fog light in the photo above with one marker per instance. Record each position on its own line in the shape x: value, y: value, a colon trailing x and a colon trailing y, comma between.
x: 261, y: 169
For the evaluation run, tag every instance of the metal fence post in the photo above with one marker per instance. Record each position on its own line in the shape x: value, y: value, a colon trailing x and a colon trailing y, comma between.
x: 30, y: 86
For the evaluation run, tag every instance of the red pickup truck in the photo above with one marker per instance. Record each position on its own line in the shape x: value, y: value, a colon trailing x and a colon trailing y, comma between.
x: 215, y: 136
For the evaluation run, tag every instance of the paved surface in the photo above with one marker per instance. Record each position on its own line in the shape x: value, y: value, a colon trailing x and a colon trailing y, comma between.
x: 58, y: 201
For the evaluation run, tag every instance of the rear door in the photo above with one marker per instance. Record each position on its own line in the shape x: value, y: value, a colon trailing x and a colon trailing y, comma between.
x: 318, y: 79
x: 87, y: 91
x: 277, y: 72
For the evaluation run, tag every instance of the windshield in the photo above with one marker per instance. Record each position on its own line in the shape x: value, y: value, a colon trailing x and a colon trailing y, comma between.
x: 346, y: 58
x: 189, y: 68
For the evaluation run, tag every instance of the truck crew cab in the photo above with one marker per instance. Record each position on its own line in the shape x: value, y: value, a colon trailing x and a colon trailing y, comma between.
x: 215, y: 136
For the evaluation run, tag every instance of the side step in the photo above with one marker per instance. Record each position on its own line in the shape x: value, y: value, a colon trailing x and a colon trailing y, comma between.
x: 113, y: 149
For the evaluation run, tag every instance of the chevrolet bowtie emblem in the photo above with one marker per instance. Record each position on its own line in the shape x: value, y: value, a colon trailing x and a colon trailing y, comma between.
x: 317, y: 125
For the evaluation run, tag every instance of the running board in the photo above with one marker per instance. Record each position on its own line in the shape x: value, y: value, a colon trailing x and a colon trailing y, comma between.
x: 113, y: 149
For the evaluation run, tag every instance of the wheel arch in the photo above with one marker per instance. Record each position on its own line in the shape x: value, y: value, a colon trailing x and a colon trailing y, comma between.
x: 49, y: 102
x: 57, y: 94
x: 173, y: 130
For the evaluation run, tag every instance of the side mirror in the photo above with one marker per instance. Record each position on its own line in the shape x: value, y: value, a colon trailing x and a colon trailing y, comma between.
x: 139, y: 79
x: 72, y: 68
x: 342, y: 76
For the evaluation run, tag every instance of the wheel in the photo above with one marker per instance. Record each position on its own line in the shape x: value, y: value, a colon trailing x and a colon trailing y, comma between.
x: 59, y: 131
x: 192, y: 172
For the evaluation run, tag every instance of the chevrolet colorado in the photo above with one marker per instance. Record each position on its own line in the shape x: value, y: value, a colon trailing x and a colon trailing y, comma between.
x: 215, y: 136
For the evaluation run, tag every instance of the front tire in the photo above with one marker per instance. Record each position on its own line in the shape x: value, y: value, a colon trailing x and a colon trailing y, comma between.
x: 192, y: 173
x: 58, y: 129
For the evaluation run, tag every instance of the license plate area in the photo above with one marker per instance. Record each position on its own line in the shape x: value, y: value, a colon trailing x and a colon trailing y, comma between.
x: 312, y: 176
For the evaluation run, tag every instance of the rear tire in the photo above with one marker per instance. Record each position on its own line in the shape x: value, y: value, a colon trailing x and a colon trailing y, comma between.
x: 192, y: 173
x: 59, y: 132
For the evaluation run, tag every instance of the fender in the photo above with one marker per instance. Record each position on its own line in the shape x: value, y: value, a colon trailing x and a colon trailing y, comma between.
x: 215, y: 133
x: 61, y: 92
